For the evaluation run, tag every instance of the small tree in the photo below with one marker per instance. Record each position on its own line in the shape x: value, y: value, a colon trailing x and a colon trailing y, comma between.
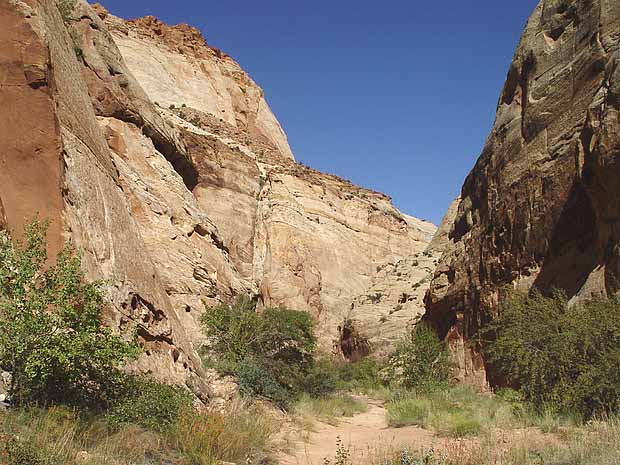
x: 51, y: 337
x: 420, y: 361
x: 276, y: 346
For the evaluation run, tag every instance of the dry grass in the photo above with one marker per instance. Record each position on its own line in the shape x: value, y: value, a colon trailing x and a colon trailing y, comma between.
x: 597, y: 443
x: 456, y: 412
x: 327, y: 409
x: 59, y: 436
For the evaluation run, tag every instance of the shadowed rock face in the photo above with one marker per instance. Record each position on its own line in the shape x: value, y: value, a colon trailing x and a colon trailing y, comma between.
x: 177, y: 206
x: 540, y: 207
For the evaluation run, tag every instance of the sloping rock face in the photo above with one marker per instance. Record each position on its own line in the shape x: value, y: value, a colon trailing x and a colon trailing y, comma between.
x: 177, y: 183
x: 58, y: 164
x: 175, y: 66
x: 540, y: 207
x: 295, y: 237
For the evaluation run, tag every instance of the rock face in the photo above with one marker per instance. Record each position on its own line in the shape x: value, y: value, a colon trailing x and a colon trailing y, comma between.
x: 175, y: 66
x: 159, y: 158
x: 540, y: 207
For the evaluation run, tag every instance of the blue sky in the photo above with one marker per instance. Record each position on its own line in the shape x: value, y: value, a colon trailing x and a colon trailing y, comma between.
x: 397, y: 96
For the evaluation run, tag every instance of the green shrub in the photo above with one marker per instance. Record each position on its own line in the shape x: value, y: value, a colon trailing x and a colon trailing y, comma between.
x: 363, y: 374
x: 149, y: 404
x: 563, y: 357
x: 255, y: 380
x: 270, y: 352
x: 51, y: 337
x: 420, y: 360
x: 321, y: 380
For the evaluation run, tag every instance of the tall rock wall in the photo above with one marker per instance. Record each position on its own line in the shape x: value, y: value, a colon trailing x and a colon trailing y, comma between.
x: 177, y: 183
x: 540, y: 207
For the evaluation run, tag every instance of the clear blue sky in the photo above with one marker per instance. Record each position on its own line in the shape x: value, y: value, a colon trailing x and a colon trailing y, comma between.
x: 398, y: 96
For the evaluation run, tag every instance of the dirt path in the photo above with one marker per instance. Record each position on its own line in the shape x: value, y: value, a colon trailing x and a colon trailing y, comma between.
x: 366, y: 435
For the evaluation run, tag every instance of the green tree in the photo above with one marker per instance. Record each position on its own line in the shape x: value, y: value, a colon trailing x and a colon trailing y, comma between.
x: 563, y: 357
x: 420, y: 360
x: 276, y: 345
x: 51, y: 336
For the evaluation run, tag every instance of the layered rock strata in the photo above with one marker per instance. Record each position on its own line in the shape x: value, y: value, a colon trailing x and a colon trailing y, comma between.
x: 540, y: 208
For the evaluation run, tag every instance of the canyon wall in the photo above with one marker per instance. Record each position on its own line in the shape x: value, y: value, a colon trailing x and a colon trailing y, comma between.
x: 540, y: 207
x: 158, y: 157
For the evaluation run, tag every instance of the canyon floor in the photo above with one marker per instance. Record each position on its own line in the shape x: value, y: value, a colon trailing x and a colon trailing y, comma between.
x: 367, y: 435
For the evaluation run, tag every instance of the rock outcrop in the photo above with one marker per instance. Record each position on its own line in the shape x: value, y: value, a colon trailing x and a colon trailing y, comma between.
x: 295, y: 237
x: 540, y: 208
x: 57, y: 164
x: 158, y: 157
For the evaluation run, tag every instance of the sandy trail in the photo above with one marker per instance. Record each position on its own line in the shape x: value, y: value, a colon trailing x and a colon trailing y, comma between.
x: 366, y: 435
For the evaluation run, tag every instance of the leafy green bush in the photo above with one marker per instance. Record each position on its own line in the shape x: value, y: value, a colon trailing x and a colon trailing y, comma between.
x: 563, y: 357
x: 149, y: 404
x: 363, y: 374
x: 420, y: 361
x: 255, y: 380
x: 51, y: 338
x: 321, y: 380
x: 270, y: 352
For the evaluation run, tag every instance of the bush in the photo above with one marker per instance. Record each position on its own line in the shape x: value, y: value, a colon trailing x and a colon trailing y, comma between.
x: 60, y: 436
x: 270, y: 352
x: 149, y: 404
x: 363, y: 374
x: 420, y: 361
x: 255, y: 380
x: 321, y: 380
x: 564, y: 358
x: 51, y: 338
x: 239, y: 435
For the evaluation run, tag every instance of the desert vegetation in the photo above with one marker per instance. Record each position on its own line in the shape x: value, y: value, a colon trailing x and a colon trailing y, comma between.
x: 73, y: 402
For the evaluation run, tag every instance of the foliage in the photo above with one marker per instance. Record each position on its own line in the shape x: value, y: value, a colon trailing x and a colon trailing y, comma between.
x: 241, y: 434
x: 270, y: 352
x: 596, y: 443
x: 321, y: 380
x: 255, y: 380
x: 51, y: 337
x: 409, y: 412
x: 360, y: 375
x: 19, y: 452
x: 455, y: 412
x: 563, y: 357
x: 149, y: 404
x: 420, y: 360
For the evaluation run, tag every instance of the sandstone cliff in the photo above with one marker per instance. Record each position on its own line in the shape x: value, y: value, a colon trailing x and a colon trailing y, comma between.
x: 540, y: 207
x: 159, y: 158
